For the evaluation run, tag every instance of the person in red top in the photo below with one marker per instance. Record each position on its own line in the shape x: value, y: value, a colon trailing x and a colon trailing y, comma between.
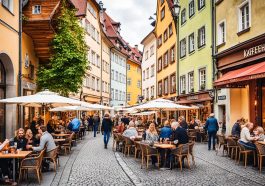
x: 120, y: 128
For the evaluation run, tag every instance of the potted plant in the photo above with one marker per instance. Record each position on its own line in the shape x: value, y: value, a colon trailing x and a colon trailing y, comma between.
x: 202, y: 86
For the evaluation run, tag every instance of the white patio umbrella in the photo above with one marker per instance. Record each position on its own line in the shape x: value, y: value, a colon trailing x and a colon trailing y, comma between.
x: 70, y: 108
x: 95, y: 106
x: 147, y: 113
x: 40, y: 99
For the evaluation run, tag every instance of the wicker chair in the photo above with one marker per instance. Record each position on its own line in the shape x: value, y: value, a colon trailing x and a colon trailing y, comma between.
x: 232, y: 146
x: 261, y: 154
x: 115, y: 141
x: 128, y: 145
x: 53, y: 156
x: 192, y: 135
x: 245, y: 152
x: 182, y: 151
x: 32, y: 163
x: 147, y: 152
x: 137, y: 149
x: 221, y: 142
x: 68, y: 143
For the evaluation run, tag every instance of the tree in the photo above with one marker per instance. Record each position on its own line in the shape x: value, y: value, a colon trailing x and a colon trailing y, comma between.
x: 66, y: 70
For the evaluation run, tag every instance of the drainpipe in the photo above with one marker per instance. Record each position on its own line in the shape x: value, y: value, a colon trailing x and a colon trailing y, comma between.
x: 20, y: 62
x: 101, y: 61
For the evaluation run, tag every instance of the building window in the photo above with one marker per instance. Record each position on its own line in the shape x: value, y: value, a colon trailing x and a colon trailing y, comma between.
x: 147, y: 93
x: 162, y: 2
x: 112, y: 74
x: 144, y: 93
x: 183, y: 16
x: 162, y: 13
x: 160, y: 88
x: 129, y: 81
x: 191, y: 82
x: 103, y: 86
x: 165, y: 59
x: 93, y: 32
x: 173, y: 83
x: 172, y: 54
x: 146, y: 55
x: 152, y: 70
x: 117, y: 76
x: 221, y: 33
x: 183, y: 84
x: 201, y: 37
x: 165, y: 35
x: 128, y: 67
x: 244, y: 16
x: 183, y: 48
x: 98, y: 85
x: 93, y: 59
x: 143, y: 75
x: 138, y: 84
x: 159, y: 41
x: 8, y: 4
x: 112, y: 94
x: 120, y: 77
x: 147, y: 73
x: 128, y: 96
x: 191, y: 43
x: 152, y: 91
x: 170, y: 29
x: 191, y: 8
x: 116, y: 95
x: 93, y: 83
x: 166, y: 85
x: 201, y: 4
x: 202, y: 78
x: 159, y: 65
x: 98, y: 60
x: 36, y: 9
x: 152, y: 50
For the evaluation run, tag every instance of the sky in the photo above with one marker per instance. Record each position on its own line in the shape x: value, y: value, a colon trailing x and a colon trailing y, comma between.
x: 133, y: 16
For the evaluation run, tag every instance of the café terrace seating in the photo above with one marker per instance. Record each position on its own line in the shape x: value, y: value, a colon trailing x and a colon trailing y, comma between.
x: 260, y: 153
x: 245, y: 152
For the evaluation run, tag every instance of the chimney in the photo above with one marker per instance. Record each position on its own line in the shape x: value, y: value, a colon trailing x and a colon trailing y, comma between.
x: 136, y: 46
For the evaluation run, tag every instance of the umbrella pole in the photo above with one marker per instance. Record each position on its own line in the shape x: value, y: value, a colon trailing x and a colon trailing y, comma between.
x: 44, y: 115
x: 161, y: 117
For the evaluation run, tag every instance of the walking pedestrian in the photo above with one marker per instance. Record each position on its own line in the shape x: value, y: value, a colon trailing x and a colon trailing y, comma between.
x: 212, y: 128
x: 106, y: 128
x: 96, y: 121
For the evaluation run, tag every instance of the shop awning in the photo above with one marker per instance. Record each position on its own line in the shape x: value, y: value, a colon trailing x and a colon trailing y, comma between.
x: 256, y: 71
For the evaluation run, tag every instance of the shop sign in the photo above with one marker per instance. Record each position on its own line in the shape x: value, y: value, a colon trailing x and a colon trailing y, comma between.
x: 222, y: 97
x: 254, y: 50
x: 195, y: 97
x: 29, y: 85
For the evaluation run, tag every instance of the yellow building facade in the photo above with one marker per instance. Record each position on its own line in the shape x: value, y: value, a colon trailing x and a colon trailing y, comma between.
x: 166, y: 51
x: 134, y: 77
x: 9, y: 65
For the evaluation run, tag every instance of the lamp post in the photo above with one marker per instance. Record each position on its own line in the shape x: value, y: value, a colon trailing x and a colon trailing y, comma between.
x: 176, y: 10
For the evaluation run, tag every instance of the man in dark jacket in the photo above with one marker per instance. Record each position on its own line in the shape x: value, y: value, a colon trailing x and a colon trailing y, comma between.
x: 179, y: 135
x: 183, y: 122
x: 106, y: 128
x: 212, y: 127
x: 236, y: 129
x: 96, y: 122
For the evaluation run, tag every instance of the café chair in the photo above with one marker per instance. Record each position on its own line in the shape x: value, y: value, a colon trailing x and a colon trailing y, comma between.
x: 231, y: 147
x: 221, y: 143
x: 31, y: 163
x: 53, y: 156
x: 147, y: 152
x: 182, y: 151
x: 245, y: 152
x: 261, y: 154
x: 128, y: 145
x: 68, y: 143
x: 191, y: 145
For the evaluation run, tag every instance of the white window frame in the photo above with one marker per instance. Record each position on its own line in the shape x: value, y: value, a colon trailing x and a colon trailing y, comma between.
x: 151, y: 50
x: 183, y: 48
x: 240, y: 15
x: 34, y: 8
x: 144, y: 75
x: 201, y: 37
x: 9, y: 4
x: 129, y: 81
x: 190, y: 8
x: 191, y: 42
x: 221, y: 37
x: 152, y: 91
x: 201, y: 81
x: 152, y: 70
x: 183, y: 16
x: 182, y: 83
x: 191, y: 81
x: 147, y: 73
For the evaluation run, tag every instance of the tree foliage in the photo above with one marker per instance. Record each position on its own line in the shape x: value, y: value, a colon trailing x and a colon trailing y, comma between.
x: 66, y: 70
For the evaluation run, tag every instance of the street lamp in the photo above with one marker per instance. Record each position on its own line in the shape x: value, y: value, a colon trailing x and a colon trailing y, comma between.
x: 176, y: 10
x: 100, y: 5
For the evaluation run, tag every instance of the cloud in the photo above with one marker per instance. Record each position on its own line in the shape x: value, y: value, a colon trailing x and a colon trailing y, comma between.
x: 133, y: 16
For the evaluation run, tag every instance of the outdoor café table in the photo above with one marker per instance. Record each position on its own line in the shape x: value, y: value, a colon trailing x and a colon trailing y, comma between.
x: 261, y: 142
x: 138, y: 138
x: 59, y: 140
x: 61, y: 135
x: 164, y: 146
x: 19, y: 155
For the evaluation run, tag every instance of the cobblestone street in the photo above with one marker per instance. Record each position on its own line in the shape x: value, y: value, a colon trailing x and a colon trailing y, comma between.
x: 94, y: 165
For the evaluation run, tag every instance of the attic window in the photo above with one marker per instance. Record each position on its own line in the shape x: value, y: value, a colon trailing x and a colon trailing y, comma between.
x: 36, y: 9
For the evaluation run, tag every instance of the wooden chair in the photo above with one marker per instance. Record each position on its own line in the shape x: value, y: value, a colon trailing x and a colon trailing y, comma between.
x: 261, y: 154
x: 32, y: 163
x: 191, y: 145
x: 245, y: 152
x: 231, y: 147
x: 221, y: 142
x: 68, y: 143
x: 192, y: 135
x: 115, y: 141
x: 182, y: 151
x: 147, y: 152
x: 53, y: 157
x: 137, y: 149
x: 128, y: 145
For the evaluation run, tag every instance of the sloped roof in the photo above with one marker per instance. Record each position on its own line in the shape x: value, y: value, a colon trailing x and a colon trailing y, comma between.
x: 81, y: 6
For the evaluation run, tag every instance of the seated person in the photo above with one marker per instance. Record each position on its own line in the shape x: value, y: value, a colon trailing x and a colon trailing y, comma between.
x: 166, y: 131
x: 74, y: 125
x: 179, y: 134
x: 193, y: 124
x: 151, y: 133
x: 259, y: 134
x: 50, y: 129
x: 183, y: 122
x: 236, y: 129
x: 46, y: 139
x: 4, y: 162
x: 120, y: 128
x: 131, y: 132
x: 246, y: 139
x: 31, y: 140
x: 20, y: 140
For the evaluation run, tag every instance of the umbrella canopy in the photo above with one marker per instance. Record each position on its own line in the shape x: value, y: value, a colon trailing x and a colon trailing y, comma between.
x: 147, y: 113
x: 42, y: 98
x: 70, y: 108
x: 95, y: 106
x: 161, y: 104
